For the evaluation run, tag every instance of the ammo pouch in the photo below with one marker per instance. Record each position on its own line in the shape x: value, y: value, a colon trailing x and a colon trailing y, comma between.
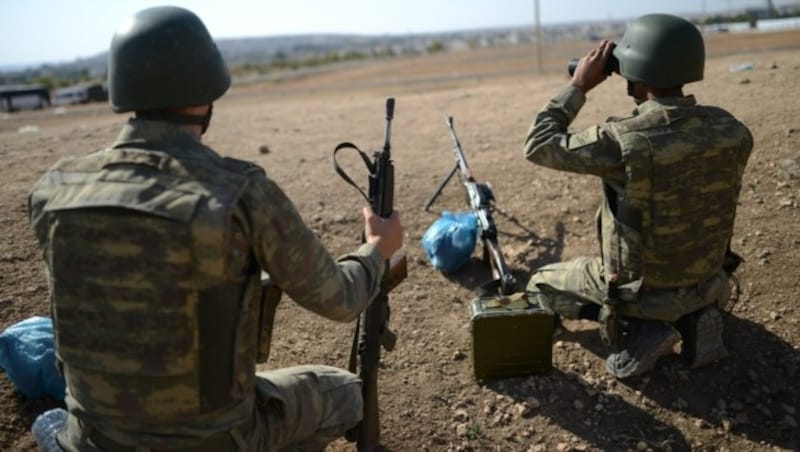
x: 610, y: 318
x: 270, y: 297
x: 610, y: 327
x: 511, y: 335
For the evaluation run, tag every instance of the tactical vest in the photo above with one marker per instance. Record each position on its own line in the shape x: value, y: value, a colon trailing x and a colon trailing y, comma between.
x: 671, y: 222
x: 155, y: 294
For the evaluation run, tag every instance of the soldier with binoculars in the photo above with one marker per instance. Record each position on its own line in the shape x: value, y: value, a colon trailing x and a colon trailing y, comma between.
x: 671, y: 175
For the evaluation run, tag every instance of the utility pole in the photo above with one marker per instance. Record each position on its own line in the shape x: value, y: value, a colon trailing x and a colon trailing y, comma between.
x: 771, y: 8
x: 705, y: 17
x: 538, y: 23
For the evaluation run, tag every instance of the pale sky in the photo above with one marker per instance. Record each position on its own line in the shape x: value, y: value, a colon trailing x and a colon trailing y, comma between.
x: 37, y: 31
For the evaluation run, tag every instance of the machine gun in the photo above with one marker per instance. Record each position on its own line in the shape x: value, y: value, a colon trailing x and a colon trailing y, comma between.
x: 481, y: 200
x: 372, y: 328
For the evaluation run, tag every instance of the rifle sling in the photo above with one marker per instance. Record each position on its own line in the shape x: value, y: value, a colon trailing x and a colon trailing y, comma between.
x: 354, y: 348
x: 343, y: 175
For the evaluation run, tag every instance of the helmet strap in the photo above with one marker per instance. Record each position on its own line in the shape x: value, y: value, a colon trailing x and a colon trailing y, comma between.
x: 632, y: 93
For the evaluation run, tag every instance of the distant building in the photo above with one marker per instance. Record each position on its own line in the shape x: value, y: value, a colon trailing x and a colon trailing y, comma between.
x: 80, y: 94
x: 18, y: 97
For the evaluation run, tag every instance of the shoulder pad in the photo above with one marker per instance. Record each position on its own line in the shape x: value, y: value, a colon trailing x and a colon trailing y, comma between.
x: 88, y: 162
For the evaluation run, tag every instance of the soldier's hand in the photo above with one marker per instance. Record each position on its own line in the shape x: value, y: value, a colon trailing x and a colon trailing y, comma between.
x: 385, y: 233
x: 591, y: 68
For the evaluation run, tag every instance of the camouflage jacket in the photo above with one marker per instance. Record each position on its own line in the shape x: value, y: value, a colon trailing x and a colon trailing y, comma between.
x: 671, y: 177
x: 154, y: 250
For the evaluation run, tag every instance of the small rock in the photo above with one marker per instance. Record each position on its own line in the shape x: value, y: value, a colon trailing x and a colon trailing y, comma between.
x: 28, y: 129
x: 578, y: 404
x: 458, y: 355
x: 522, y: 409
x: 8, y: 257
x: 726, y: 425
x: 789, y: 409
x: 462, y: 429
x: 700, y: 423
x: 745, y: 81
x: 561, y: 447
x: 461, y: 416
x: 533, y: 403
x: 264, y: 149
x: 641, y: 445
x: 790, y: 168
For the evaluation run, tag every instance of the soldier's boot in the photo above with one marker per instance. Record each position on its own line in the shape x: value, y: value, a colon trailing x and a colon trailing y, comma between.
x: 644, y: 343
x: 701, y: 332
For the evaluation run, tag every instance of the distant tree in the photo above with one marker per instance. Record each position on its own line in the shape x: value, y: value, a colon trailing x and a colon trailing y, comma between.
x: 435, y: 46
x: 280, y: 55
x: 47, y: 82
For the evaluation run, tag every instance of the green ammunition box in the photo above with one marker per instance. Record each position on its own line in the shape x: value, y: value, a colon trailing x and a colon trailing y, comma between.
x: 511, y: 336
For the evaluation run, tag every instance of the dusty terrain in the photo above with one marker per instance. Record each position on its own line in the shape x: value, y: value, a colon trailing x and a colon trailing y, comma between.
x: 429, y: 398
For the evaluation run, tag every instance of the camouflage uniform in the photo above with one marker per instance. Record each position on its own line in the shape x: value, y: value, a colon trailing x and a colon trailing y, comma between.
x: 671, y: 177
x: 154, y: 249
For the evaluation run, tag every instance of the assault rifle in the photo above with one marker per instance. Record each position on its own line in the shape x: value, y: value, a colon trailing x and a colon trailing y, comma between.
x: 372, y: 328
x: 481, y: 200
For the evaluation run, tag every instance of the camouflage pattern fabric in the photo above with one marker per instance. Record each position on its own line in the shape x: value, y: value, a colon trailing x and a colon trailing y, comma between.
x: 671, y: 176
x: 154, y: 250
x: 306, y: 407
x: 565, y: 287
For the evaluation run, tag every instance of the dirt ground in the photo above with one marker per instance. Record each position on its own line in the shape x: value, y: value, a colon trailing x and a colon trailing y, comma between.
x: 429, y: 398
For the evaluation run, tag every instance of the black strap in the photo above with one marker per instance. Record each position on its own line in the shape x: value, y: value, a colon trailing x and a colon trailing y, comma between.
x: 354, y: 348
x: 343, y: 175
x: 731, y: 261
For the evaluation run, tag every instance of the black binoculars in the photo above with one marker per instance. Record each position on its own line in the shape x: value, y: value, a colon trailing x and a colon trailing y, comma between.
x: 612, y: 65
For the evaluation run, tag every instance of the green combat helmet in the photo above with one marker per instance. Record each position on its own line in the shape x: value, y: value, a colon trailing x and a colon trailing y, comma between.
x: 164, y: 58
x: 661, y: 51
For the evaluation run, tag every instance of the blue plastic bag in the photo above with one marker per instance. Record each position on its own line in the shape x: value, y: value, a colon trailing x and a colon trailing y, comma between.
x: 450, y: 240
x: 27, y: 353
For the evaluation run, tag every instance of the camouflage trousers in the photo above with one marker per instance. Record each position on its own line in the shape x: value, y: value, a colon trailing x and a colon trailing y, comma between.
x: 566, y: 287
x: 304, y: 408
